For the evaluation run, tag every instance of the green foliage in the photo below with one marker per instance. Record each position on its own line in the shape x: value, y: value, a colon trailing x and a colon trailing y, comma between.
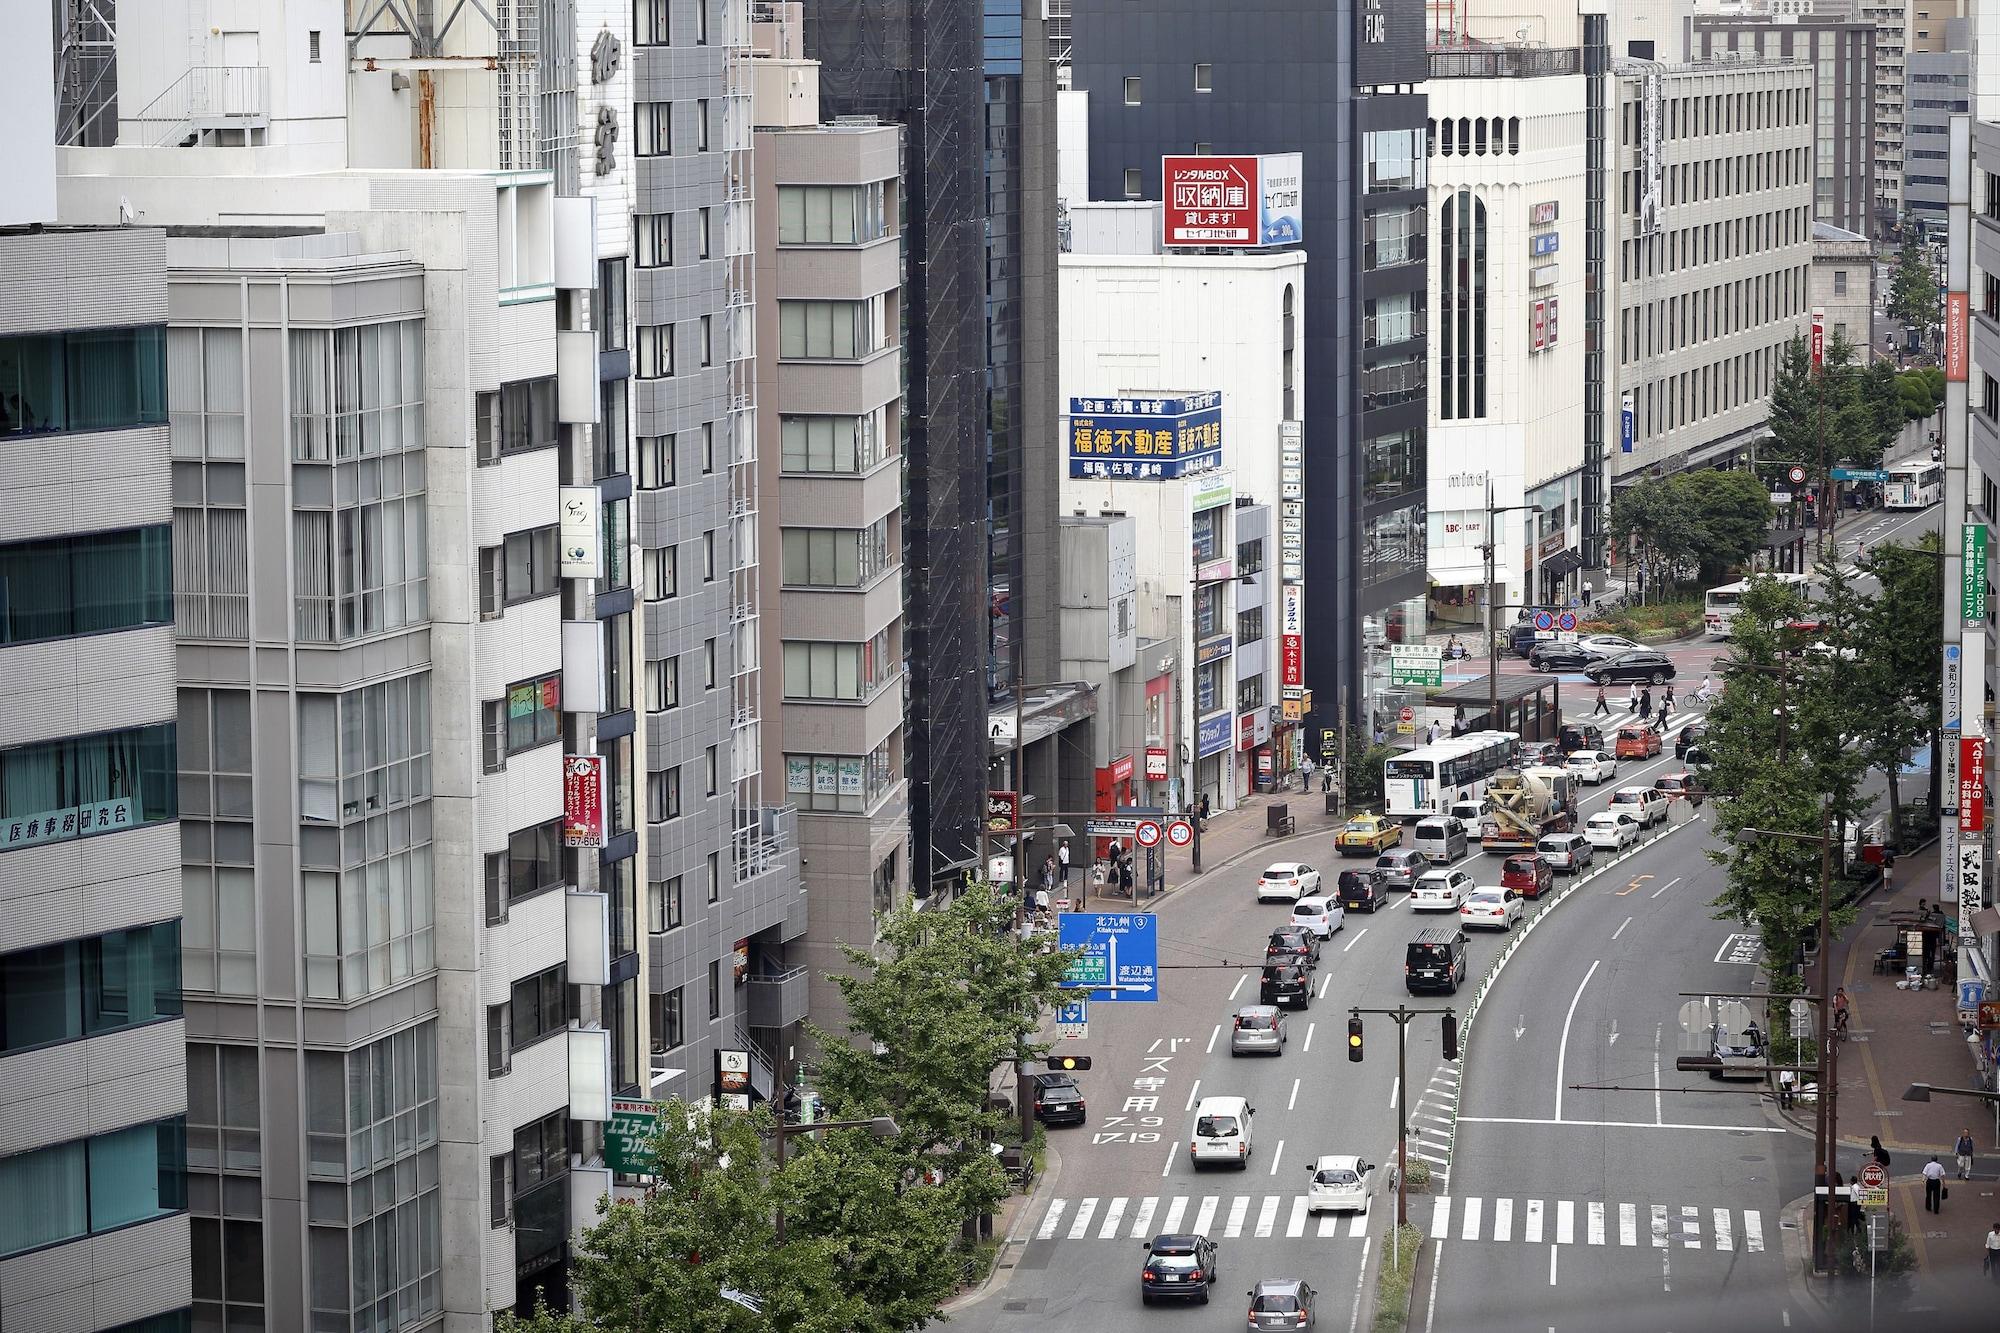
x: 1896, y: 657
x: 1365, y: 761
x: 1913, y: 291
x: 1692, y: 523
x: 1400, y: 1247
x: 1844, y: 413
x: 1913, y: 387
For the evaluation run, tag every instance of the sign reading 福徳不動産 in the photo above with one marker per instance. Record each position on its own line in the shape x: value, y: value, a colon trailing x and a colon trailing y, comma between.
x: 1145, y: 436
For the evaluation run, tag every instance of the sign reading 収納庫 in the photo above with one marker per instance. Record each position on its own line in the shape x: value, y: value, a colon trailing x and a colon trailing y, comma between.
x: 1145, y: 436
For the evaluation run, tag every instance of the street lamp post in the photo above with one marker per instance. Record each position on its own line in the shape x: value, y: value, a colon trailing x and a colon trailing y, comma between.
x: 1492, y: 643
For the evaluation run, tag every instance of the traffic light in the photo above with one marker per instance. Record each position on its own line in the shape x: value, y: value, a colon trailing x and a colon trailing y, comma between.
x: 1354, y: 1039
x: 1451, y: 1036
x: 1066, y: 1063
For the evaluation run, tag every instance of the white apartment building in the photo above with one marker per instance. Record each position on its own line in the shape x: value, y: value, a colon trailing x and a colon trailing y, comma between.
x: 1710, y: 241
x: 1891, y: 29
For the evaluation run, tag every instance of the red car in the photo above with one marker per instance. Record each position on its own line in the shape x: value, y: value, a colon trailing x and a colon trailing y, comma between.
x: 1637, y: 743
x: 1527, y: 874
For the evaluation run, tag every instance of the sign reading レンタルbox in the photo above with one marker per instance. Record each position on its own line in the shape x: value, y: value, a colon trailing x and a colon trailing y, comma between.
x: 1233, y: 199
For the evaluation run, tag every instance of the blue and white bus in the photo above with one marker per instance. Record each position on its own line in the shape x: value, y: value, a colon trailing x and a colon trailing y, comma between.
x: 1913, y: 485
x: 1429, y: 778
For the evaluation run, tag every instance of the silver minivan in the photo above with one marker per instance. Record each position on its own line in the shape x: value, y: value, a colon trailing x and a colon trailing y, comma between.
x: 1259, y: 1030
x: 1441, y: 838
x: 1400, y: 867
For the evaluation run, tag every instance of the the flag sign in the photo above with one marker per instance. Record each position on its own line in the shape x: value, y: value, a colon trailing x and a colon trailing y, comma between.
x: 1972, y: 551
x: 1972, y: 784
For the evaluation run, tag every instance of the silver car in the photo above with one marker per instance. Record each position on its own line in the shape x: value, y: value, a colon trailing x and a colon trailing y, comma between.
x: 1400, y: 867
x: 1259, y: 1030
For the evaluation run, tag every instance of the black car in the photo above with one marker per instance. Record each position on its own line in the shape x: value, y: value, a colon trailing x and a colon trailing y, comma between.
x: 1521, y: 638
x: 1178, y: 1267
x: 1058, y: 1100
x: 1435, y: 961
x: 1641, y: 664
x: 1285, y: 983
x: 1539, y: 752
x: 1362, y: 891
x: 1556, y: 656
x: 1289, y: 943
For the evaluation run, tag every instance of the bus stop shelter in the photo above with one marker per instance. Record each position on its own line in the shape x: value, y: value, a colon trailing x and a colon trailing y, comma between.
x: 1528, y: 704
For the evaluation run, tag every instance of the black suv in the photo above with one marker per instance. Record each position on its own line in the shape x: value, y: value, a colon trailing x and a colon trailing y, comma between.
x: 1058, y: 1101
x: 1285, y: 983
x: 1362, y: 890
x: 1435, y: 961
x: 1178, y: 1267
x: 1292, y: 943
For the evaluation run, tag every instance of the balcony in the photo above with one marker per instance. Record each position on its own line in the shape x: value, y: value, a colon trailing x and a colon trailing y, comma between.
x: 1506, y: 62
x: 777, y: 1000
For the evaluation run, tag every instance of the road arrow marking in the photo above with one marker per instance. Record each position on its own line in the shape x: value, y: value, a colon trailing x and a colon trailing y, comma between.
x: 1614, y: 1032
x: 1520, y: 1026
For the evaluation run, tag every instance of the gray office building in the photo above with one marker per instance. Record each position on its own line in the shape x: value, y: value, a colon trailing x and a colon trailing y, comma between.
x: 1939, y: 88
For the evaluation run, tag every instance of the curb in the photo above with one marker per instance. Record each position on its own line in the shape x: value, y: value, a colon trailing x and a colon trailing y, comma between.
x: 998, y: 1276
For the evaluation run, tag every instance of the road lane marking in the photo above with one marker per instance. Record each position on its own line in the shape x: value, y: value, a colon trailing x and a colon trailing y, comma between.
x: 1395, y: 1086
x: 1668, y: 885
x: 1215, y: 1036
x: 1310, y: 1029
x: 1469, y: 1227
x: 1621, y: 928
x: 1440, y: 1216
x: 1276, y: 1156
x: 1172, y: 1152
x: 1659, y: 1226
x: 1191, y: 1095
x: 1267, y: 1215
x: 1690, y: 1227
x: 1051, y: 1219
x: 1609, y: 1124
x: 1329, y: 1224
x: 1633, y: 887
x: 1628, y: 1224
x: 1565, y: 1222
x: 1081, y: 1226
x: 1326, y: 981
x: 1293, y: 1101
x: 1531, y: 1227
x: 1554, y: 1250
x: 1142, y: 1220
x: 1562, y: 1051
x: 1594, y: 1223
x: 1659, y: 1112
x: 1204, y: 1216
x: 1359, y: 1226
x: 1431, y: 1307
x: 1175, y: 1212
x: 1295, y: 1225
x: 1360, y: 1284
x: 1239, y: 1208
x: 1753, y: 1232
x: 1236, y: 990
x: 1503, y: 1219
x: 1356, y: 940
x: 1724, y: 1239
x: 1114, y: 1215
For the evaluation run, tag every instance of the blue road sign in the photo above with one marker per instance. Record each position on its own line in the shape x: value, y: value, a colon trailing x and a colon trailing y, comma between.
x: 1121, y: 954
x: 1073, y: 1011
x: 1860, y: 474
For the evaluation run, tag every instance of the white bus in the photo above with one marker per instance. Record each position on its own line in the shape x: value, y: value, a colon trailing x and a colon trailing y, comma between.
x: 1429, y: 778
x: 1913, y: 485
x: 1720, y: 605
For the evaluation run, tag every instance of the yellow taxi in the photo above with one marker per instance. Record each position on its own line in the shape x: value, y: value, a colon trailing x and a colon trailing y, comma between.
x: 1367, y: 835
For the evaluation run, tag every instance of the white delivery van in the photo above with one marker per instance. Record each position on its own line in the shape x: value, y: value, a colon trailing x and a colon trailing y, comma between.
x: 1221, y: 1132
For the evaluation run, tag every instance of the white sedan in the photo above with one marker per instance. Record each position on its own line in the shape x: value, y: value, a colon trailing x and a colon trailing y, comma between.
x: 1322, y: 916
x: 1610, y: 832
x: 1292, y: 880
x: 1593, y: 766
x: 1499, y: 908
x: 1441, y: 891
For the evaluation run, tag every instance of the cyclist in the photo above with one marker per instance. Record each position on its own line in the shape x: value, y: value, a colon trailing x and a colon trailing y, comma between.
x: 1840, y: 1011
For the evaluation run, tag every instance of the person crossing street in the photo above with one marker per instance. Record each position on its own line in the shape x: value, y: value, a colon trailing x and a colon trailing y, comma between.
x: 1934, y: 1190
x: 1964, y: 1149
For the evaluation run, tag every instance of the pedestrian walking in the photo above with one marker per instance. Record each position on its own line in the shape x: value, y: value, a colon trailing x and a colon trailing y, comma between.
x: 1993, y: 1252
x: 1934, y: 1186
x: 1788, y: 1083
x: 1646, y: 705
x: 1877, y: 1151
x: 1670, y: 696
x: 1306, y: 774
x: 1632, y: 698
x: 1041, y: 902
x: 1125, y: 877
x: 1963, y: 1148
x: 1603, y: 709
x: 1666, y: 707
x: 1048, y: 873
x: 1326, y: 777
x: 1062, y: 863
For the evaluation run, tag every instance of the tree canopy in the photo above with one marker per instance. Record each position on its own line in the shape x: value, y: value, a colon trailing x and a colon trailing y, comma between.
x: 1702, y: 522
x: 1913, y: 291
x: 1845, y: 412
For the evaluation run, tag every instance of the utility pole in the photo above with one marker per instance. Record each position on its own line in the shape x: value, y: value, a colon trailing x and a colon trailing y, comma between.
x: 1823, y: 511
x: 1961, y: 851
x: 1402, y: 1014
x: 1492, y: 643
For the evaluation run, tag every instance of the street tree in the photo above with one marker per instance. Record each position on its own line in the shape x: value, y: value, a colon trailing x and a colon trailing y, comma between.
x: 1659, y: 528
x: 1705, y: 522
x: 1913, y: 292
x: 947, y: 996
x: 1896, y: 654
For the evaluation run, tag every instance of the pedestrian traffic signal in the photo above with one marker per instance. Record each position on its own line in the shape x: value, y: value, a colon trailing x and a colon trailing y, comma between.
x: 1069, y: 1062
x: 1451, y: 1036
x: 1354, y: 1039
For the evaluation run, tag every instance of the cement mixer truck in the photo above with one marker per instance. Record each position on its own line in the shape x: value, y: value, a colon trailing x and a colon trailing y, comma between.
x: 1521, y: 806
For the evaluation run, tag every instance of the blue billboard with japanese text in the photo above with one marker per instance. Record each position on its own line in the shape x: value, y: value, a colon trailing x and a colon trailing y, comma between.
x: 1145, y: 436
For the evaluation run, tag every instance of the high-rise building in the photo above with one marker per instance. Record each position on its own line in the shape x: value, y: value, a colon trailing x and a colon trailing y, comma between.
x: 1336, y: 84
x: 1891, y: 40
x: 1939, y: 88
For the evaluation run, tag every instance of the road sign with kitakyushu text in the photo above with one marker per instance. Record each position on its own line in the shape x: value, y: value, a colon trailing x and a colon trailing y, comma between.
x: 1120, y: 958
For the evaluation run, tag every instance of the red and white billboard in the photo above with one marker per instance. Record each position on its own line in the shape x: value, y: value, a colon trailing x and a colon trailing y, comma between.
x: 1818, y: 337
x: 1552, y: 320
x: 583, y: 800
x: 1972, y: 784
x: 1538, y: 326
x: 1210, y: 200
x: 1291, y: 630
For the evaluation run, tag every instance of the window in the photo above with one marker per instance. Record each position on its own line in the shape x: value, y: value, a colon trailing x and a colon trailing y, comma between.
x: 53, y: 791
x: 91, y: 379
x: 1390, y: 465
x: 517, y: 419
x: 362, y: 569
x: 662, y: 570
x: 669, y: 1020
x: 653, y: 127
x: 701, y: 139
x: 611, y: 449
x: 836, y: 557
x: 363, y: 752
x: 663, y: 795
x: 1393, y: 237
x: 1205, y: 534
x: 373, y: 1109
x: 534, y: 713
x: 714, y: 989
x: 714, y: 770
x: 1207, y: 610
x: 89, y: 583
x: 1204, y: 78
x: 708, y: 663
x: 618, y: 662
x: 1133, y: 186
x: 498, y: 1059
x: 838, y: 670
x: 1394, y: 160
x: 356, y: 392
x: 82, y: 988
x: 224, y: 1125
x: 663, y: 905
x: 532, y: 865
x: 1840, y: 282
x: 653, y: 240
x: 707, y: 448
x: 1250, y: 694
x: 205, y: 392
x: 1131, y: 90
x: 655, y: 360
x: 536, y: 1007
x: 842, y: 330
x: 652, y: 22
x: 663, y: 684
x: 833, y: 444
x: 708, y: 340
x: 370, y: 925
x: 211, y: 552
x: 704, y: 229
x: 850, y: 783
x: 521, y: 569
x: 1250, y: 557
x: 832, y: 214
x: 312, y: 45
x: 1250, y: 625
x: 89, y: 1186
x: 656, y: 462
x: 1462, y: 307
x: 1391, y: 319
x: 1392, y: 544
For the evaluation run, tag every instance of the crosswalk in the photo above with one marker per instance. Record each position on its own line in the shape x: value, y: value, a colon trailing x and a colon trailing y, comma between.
x: 1588, y: 1222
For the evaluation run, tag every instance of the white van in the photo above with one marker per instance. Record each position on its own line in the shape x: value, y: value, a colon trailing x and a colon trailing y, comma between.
x: 1441, y: 838
x: 1341, y: 1184
x: 1222, y: 1132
